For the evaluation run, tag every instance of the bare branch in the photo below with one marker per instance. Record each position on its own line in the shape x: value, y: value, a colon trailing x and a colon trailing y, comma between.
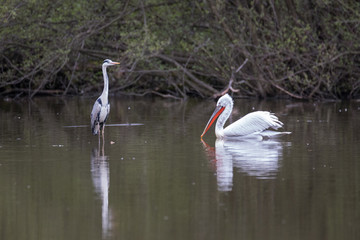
x: 230, y: 87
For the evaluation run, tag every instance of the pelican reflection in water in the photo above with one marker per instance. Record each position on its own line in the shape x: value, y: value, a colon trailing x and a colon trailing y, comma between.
x: 259, y: 159
x: 100, y: 174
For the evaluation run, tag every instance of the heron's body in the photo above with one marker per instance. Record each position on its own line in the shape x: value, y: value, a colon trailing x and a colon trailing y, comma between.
x: 99, y: 115
x: 253, y: 124
x: 101, y: 108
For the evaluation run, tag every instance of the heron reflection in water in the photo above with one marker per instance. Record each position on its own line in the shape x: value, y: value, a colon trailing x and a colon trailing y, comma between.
x: 100, y: 173
x: 259, y: 159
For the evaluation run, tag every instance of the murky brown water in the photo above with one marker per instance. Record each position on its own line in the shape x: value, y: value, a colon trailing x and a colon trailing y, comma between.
x: 159, y: 181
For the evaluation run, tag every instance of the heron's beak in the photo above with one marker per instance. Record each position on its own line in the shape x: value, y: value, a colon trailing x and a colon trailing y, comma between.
x: 214, y: 116
x: 115, y: 62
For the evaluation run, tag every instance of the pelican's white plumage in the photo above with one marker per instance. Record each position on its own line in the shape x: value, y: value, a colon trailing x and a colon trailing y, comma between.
x: 251, y: 125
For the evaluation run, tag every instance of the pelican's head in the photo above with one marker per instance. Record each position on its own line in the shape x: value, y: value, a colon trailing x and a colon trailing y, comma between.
x: 224, y: 103
x: 108, y: 62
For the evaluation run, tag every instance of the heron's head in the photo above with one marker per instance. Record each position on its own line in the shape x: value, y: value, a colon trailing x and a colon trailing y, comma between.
x: 108, y: 62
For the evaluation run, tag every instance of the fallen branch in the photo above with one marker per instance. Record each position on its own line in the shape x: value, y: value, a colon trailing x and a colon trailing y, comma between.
x: 285, y: 91
x: 188, y: 73
x: 150, y: 92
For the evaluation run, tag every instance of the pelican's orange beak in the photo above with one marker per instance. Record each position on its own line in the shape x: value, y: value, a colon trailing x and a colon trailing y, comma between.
x: 214, y: 116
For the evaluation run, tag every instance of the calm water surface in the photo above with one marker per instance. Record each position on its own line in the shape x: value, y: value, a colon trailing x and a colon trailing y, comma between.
x: 160, y: 181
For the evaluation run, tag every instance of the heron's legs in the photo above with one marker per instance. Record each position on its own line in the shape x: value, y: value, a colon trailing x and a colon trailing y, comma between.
x: 103, y: 130
x: 99, y: 139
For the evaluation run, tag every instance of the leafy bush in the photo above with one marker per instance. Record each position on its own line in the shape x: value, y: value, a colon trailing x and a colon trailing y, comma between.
x: 301, y: 49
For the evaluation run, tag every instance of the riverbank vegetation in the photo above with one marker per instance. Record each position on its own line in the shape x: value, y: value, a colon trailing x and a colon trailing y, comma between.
x: 291, y: 48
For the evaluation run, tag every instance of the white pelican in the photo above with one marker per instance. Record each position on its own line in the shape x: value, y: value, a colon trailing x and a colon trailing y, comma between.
x: 101, y: 106
x: 255, y: 124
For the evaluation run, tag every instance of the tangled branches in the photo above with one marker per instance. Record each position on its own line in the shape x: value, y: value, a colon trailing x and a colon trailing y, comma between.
x: 180, y: 49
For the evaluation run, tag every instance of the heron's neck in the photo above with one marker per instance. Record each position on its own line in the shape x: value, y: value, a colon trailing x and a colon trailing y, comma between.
x: 105, y: 92
x: 219, y: 127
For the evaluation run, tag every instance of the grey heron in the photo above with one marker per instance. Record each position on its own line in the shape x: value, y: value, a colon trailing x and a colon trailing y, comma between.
x: 101, y: 107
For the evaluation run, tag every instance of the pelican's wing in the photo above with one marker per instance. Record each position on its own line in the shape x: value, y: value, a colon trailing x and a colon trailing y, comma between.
x: 253, y: 123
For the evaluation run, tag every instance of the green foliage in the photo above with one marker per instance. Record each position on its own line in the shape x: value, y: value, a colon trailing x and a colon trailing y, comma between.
x: 302, y: 49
